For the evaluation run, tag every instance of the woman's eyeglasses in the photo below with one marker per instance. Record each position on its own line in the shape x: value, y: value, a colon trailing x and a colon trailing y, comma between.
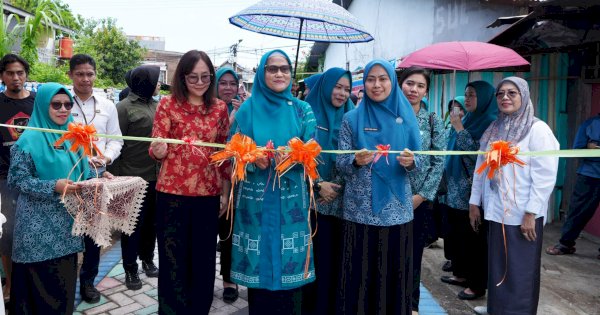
x: 193, y: 78
x: 272, y: 69
x: 59, y: 105
x: 511, y: 94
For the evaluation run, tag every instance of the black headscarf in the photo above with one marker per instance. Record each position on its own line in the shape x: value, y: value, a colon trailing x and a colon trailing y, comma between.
x: 143, y: 81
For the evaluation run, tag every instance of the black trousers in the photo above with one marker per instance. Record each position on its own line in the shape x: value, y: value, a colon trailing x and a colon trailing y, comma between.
x: 226, y: 243
x: 143, y: 239
x: 470, y: 261
x: 91, y: 260
x: 281, y: 302
x: 584, y: 202
x: 46, y: 287
x: 186, y: 229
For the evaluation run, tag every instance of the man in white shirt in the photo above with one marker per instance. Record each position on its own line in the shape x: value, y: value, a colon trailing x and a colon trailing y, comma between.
x: 91, y: 109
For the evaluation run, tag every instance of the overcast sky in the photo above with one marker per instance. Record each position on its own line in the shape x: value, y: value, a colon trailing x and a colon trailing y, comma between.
x: 188, y: 24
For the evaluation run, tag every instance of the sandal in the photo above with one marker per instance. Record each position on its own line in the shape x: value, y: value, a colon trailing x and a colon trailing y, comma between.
x: 560, y: 249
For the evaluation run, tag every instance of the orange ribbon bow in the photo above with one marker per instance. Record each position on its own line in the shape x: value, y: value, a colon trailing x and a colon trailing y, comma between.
x: 81, y: 136
x: 242, y: 149
x: 301, y: 153
x: 382, y: 150
x: 500, y: 154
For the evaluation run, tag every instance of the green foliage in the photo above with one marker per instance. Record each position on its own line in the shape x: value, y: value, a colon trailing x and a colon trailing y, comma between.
x: 33, y: 26
x: 7, y: 37
x: 108, y: 45
x: 41, y: 72
x: 65, y: 15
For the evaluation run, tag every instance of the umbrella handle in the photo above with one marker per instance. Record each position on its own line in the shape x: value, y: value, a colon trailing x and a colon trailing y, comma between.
x: 298, y: 49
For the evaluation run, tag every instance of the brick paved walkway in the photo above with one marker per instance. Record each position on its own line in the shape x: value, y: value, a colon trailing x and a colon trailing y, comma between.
x: 117, y: 299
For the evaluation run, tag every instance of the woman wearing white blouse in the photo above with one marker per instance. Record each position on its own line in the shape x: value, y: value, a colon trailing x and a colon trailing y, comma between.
x: 515, y: 201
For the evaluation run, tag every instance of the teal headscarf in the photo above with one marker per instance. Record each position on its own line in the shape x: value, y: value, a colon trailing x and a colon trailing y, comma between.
x: 50, y: 162
x: 311, y: 81
x: 329, y: 118
x: 268, y: 115
x: 219, y: 74
x: 393, y: 122
x: 474, y: 122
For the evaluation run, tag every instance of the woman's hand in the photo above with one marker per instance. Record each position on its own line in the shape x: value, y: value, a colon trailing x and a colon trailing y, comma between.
x: 262, y: 162
x: 66, y: 186
x: 364, y: 157
x: 456, y: 121
x: 159, y: 149
x: 417, y: 200
x: 528, y: 227
x: 99, y: 161
x: 108, y: 175
x: 329, y: 191
x: 475, y: 217
x: 236, y: 103
x: 407, y: 159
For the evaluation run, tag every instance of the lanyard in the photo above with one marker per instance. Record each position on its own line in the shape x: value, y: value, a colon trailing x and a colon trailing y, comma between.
x: 83, y: 113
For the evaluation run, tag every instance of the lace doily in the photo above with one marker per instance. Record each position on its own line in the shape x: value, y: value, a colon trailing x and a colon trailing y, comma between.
x: 103, y: 205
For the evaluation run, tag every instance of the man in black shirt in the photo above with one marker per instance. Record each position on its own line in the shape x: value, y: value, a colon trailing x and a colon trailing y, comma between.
x: 16, y: 105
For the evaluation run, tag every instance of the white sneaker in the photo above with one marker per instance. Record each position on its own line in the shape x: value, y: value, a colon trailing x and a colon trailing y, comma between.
x: 481, y: 310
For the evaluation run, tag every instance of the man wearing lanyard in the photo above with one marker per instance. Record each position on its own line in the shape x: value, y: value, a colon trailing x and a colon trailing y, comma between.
x: 91, y: 109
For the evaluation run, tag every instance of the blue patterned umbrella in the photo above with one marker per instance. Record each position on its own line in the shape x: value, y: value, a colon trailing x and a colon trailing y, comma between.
x: 309, y: 20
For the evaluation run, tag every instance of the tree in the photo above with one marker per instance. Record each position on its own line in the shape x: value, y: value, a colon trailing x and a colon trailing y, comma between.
x: 108, y: 45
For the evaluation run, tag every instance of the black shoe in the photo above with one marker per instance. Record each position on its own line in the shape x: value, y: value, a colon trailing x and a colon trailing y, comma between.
x: 230, y: 295
x: 466, y: 296
x: 452, y: 280
x: 150, y: 269
x: 89, y: 293
x: 132, y: 280
x: 447, y: 267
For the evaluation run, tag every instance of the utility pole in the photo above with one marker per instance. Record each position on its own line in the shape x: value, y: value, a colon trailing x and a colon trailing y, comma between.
x: 233, y: 50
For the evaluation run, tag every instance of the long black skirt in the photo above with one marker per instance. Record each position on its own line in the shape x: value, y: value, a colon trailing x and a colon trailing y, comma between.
x: 377, y: 276
x: 46, y: 287
x: 520, y: 291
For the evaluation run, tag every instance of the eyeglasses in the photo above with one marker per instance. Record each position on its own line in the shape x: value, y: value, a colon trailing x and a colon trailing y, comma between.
x: 193, y: 78
x: 59, y: 105
x: 228, y: 84
x: 272, y: 69
x: 511, y: 94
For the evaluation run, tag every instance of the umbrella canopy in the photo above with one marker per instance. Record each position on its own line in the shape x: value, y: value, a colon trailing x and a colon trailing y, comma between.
x: 323, y: 21
x: 464, y: 56
x: 309, y: 20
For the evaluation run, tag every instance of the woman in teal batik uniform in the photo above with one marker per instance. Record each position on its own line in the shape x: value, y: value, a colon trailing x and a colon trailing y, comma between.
x: 271, y: 233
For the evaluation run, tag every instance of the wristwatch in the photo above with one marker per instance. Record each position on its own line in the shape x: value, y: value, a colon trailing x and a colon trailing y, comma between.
x: 317, y: 187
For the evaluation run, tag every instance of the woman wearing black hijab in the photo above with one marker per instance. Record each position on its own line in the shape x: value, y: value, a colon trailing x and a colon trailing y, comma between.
x: 136, y: 117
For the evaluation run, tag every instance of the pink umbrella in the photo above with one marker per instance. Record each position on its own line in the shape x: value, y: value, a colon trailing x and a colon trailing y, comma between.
x: 464, y: 56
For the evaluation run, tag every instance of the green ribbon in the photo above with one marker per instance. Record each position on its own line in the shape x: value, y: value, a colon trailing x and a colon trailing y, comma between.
x: 573, y: 153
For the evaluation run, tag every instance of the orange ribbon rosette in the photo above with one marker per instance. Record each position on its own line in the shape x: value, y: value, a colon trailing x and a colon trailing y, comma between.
x: 500, y: 154
x: 301, y: 153
x: 81, y: 136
